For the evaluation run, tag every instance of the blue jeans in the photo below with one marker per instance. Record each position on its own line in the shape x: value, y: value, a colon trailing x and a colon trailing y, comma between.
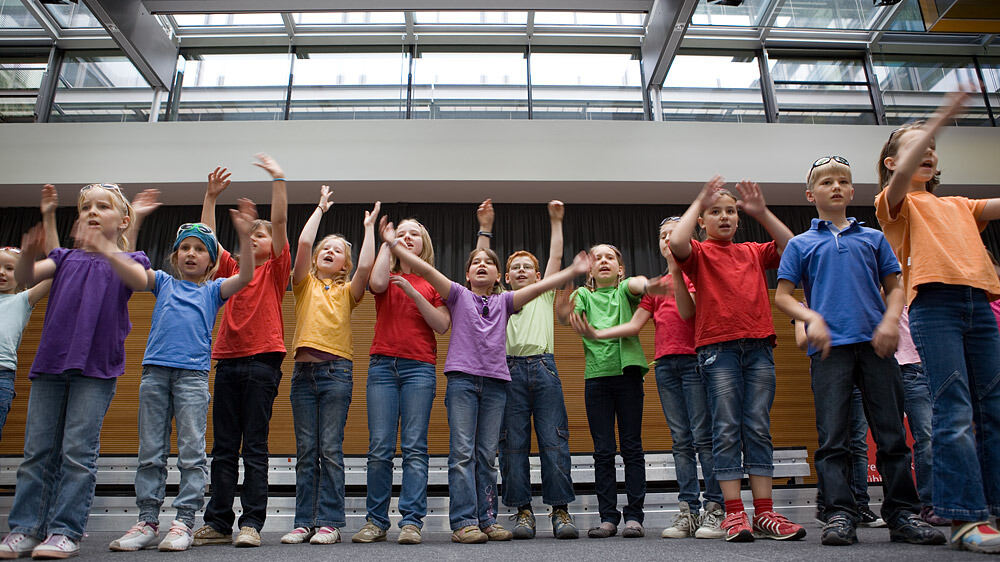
x: 878, y: 378
x: 400, y: 396
x: 321, y: 396
x: 245, y: 389
x: 685, y: 406
x: 611, y: 399
x: 7, y: 395
x: 535, y: 391
x: 917, y: 405
x: 956, y: 334
x: 167, y: 393
x: 56, y: 481
x: 739, y: 376
x: 475, y: 413
x: 859, y: 455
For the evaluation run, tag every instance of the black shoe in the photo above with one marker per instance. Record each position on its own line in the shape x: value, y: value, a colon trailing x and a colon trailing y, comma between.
x: 867, y: 518
x: 839, y: 531
x: 909, y: 527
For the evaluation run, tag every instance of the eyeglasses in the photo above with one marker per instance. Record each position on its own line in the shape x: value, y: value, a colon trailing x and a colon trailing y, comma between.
x: 11, y: 249
x: 486, y: 307
x: 826, y: 160
x: 112, y: 187
x: 195, y: 226
x: 669, y: 219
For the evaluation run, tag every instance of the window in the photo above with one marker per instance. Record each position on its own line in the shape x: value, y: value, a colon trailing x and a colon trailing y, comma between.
x: 470, y: 86
x: 586, y: 86
x: 100, y: 87
x: 810, y: 90
x: 350, y: 85
x: 913, y: 87
x: 13, y: 15
x: 73, y: 16
x: 827, y: 14
x: 234, y: 87
x: 217, y: 20
x: 466, y: 18
x: 20, y: 78
x: 348, y: 18
x: 747, y: 14
x: 713, y: 88
x: 590, y: 19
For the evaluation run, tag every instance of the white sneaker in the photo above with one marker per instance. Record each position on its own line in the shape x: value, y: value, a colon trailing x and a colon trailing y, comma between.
x: 711, y: 522
x: 141, y: 535
x: 56, y: 547
x: 684, y: 524
x: 297, y: 535
x: 326, y: 535
x: 178, y: 538
x: 16, y: 545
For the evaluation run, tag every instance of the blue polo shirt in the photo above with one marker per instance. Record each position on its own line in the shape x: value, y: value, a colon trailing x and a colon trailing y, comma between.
x: 841, y: 273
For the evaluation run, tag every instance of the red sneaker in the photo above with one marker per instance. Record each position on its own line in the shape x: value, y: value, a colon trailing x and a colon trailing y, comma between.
x: 737, y: 527
x: 773, y: 525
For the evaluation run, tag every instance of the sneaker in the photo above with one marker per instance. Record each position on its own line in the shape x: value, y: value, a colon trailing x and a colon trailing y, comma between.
x: 141, y: 535
x: 248, y: 537
x: 409, y: 534
x: 711, y: 522
x: 178, y: 538
x: 737, y: 527
x: 370, y: 532
x: 633, y: 530
x: 469, y: 535
x: 928, y: 515
x: 56, y: 547
x: 297, y: 535
x: 912, y: 529
x: 839, y: 531
x: 773, y: 525
x: 820, y: 517
x: 496, y: 532
x: 684, y: 525
x: 329, y: 535
x: 16, y: 545
x: 524, y: 524
x: 977, y: 536
x: 604, y: 530
x: 207, y: 535
x: 563, y: 526
x: 867, y: 518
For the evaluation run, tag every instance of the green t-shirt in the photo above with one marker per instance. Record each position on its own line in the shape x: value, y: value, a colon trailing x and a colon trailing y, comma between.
x: 531, y: 331
x: 605, y: 308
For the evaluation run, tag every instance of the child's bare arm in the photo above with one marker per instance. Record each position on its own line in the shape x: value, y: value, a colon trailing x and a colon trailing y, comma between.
x: 366, y: 258
x: 680, y: 238
x: 242, y: 218
x: 817, y: 332
x: 437, y: 279
x: 303, y: 252
x: 628, y: 329
x: 556, y: 212
x: 279, y: 202
x: 485, y: 215
x: 437, y: 317
x: 580, y: 266
x: 50, y: 202
x: 218, y: 181
x: 885, y: 338
x: 131, y: 272
x: 27, y: 271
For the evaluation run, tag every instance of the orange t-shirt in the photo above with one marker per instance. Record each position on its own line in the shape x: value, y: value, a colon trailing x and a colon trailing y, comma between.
x: 251, y: 319
x: 936, y: 240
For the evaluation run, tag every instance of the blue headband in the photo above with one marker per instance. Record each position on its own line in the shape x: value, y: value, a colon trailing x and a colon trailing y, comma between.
x: 200, y: 232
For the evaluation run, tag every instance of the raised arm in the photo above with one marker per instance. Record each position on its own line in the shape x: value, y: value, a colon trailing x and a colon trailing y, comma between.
x: 279, y: 202
x: 131, y: 272
x: 438, y: 318
x: 580, y: 266
x: 50, y: 202
x: 418, y: 266
x: 752, y: 202
x: 366, y: 258
x: 27, y: 271
x: 378, y: 281
x: 242, y: 218
x: 680, y: 238
x: 556, y: 212
x: 303, y: 253
x: 485, y: 214
x: 143, y: 204
x: 817, y: 332
x: 885, y: 338
x: 628, y: 329
x: 218, y: 181
x: 683, y: 297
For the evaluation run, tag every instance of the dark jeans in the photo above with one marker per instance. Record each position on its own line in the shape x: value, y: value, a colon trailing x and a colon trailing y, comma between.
x: 859, y: 454
x: 881, y: 386
x: 609, y: 399
x: 245, y: 389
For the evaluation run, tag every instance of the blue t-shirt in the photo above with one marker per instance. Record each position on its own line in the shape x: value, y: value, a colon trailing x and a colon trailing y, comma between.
x: 841, y: 273
x: 15, y: 311
x: 180, y: 335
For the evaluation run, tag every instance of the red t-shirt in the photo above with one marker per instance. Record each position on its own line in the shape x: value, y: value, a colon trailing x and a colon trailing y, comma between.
x: 732, y: 294
x: 673, y: 335
x: 400, y: 329
x: 251, y: 319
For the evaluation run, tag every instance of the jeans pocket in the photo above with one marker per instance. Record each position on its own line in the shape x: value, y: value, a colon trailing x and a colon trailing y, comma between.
x: 341, y: 372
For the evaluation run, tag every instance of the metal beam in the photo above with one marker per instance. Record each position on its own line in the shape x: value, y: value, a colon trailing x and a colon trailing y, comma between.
x: 43, y: 18
x: 668, y: 20
x: 47, y: 89
x: 258, y: 6
x: 141, y: 36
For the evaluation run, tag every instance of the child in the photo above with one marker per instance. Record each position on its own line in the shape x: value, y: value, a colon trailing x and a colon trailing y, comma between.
x: 175, y: 377
x: 477, y: 375
x: 949, y: 282
x: 322, y: 381
x: 80, y: 357
x: 682, y: 395
x: 402, y: 382
x: 16, y: 305
x: 734, y: 337
x: 852, y: 336
x: 534, y: 391
x: 250, y: 348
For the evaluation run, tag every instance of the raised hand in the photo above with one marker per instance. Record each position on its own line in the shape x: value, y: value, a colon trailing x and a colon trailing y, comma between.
x: 372, y: 215
x: 403, y: 284
x: 218, y: 181
x: 146, y: 202
x: 582, y: 326
x: 556, y: 210
x: 243, y: 216
x: 93, y: 240
x: 324, y: 198
x: 485, y: 214
x: 710, y: 191
x: 582, y: 263
x: 50, y: 199
x: 659, y: 286
x: 267, y: 163
x: 751, y: 198
x: 33, y: 241
x: 387, y: 230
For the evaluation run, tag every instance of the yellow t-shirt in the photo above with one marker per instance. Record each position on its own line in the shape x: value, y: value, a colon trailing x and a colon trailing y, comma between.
x: 323, y: 316
x: 936, y: 240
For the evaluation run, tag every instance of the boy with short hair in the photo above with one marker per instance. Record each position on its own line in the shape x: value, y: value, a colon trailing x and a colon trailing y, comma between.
x: 852, y: 336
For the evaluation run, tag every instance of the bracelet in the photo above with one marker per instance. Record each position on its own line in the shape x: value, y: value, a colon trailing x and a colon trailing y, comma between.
x: 278, y: 179
x: 484, y: 233
x: 320, y: 209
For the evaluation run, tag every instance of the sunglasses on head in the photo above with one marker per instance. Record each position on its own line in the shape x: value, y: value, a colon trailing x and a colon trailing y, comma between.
x: 11, y: 249
x: 669, y: 219
x: 196, y: 226
x: 824, y: 161
x: 112, y: 187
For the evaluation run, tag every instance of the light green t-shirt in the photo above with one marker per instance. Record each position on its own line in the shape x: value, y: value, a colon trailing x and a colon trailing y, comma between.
x: 605, y: 308
x: 531, y: 331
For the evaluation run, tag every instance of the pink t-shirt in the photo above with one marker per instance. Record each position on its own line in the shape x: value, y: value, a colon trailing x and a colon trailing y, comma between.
x: 995, y: 305
x: 906, y: 353
x: 674, y: 335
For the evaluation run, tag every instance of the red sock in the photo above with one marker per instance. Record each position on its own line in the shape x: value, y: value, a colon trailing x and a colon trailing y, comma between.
x: 762, y: 504
x: 734, y: 506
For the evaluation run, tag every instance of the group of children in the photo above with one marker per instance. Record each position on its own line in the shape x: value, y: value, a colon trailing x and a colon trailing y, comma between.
x: 714, y: 367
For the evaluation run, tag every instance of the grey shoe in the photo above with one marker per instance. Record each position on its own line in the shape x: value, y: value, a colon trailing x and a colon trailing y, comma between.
x: 524, y: 525
x: 563, y: 526
x: 684, y: 524
x: 633, y: 530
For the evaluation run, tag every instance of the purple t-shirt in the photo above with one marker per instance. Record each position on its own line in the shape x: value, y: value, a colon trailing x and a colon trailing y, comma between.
x: 478, y: 344
x: 87, y: 317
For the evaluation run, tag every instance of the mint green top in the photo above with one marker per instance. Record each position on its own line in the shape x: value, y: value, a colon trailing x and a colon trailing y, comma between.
x: 532, y: 331
x: 605, y: 308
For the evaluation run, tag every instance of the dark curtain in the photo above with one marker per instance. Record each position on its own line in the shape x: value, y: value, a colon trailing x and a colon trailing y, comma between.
x: 453, y: 226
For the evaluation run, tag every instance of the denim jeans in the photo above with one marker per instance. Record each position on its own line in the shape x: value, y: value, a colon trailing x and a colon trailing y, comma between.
x: 400, y: 396
x: 321, y: 396
x: 739, y: 376
x: 610, y: 399
x: 956, y: 335
x: 859, y: 454
x: 685, y: 406
x: 167, y: 393
x: 56, y: 480
x: 917, y: 405
x: 7, y: 395
x: 535, y: 391
x: 475, y: 413
x: 244, y: 394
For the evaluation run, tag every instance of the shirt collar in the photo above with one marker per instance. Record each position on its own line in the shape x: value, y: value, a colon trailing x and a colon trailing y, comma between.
x: 852, y: 223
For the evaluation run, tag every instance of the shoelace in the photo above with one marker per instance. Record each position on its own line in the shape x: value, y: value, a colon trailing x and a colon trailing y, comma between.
x: 563, y: 516
x: 179, y: 530
x: 521, y: 518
